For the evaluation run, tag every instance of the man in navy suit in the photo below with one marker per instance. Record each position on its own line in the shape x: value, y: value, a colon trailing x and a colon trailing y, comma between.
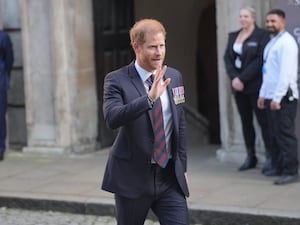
x: 6, y: 62
x: 133, y: 173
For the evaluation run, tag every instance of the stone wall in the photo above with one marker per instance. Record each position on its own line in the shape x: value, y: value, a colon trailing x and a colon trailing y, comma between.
x: 59, y: 76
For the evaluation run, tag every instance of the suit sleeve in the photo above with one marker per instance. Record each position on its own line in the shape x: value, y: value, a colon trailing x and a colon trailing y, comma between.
x: 182, y: 135
x: 9, y: 56
x: 118, y: 108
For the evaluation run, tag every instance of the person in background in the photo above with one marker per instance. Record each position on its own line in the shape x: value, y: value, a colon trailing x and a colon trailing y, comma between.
x: 147, y: 164
x: 6, y: 63
x: 243, y: 61
x: 279, y: 95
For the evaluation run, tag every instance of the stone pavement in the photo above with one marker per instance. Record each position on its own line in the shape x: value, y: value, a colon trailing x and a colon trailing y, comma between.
x: 29, y: 217
x: 10, y: 216
x: 219, y: 193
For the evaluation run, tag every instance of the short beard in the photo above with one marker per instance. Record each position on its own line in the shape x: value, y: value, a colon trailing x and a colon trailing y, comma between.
x: 274, y: 32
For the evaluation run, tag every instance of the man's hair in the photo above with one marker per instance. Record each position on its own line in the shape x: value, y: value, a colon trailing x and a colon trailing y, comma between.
x: 144, y: 26
x: 277, y: 12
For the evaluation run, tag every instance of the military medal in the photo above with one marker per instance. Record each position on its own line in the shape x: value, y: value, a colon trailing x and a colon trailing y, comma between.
x: 178, y: 95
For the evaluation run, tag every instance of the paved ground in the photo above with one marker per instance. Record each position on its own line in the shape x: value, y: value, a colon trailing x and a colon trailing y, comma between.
x: 218, y: 192
x: 29, y: 217
x: 26, y: 217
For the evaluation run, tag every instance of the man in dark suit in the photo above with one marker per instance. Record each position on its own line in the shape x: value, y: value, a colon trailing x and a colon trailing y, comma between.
x: 147, y: 165
x: 6, y: 62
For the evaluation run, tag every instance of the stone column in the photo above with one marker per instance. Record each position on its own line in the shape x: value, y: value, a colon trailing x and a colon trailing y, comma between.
x: 16, y: 131
x: 232, y: 143
x: 60, y: 90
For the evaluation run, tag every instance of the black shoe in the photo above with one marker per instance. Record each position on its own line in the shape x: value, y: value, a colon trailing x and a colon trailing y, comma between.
x: 267, y: 166
x: 249, y: 163
x: 1, y: 156
x: 286, y: 179
x: 271, y: 172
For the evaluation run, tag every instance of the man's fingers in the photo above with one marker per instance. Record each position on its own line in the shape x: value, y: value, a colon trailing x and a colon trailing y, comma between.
x: 160, y: 73
x: 167, y: 81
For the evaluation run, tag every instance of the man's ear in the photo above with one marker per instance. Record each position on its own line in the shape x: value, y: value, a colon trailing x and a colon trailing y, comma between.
x: 135, y: 46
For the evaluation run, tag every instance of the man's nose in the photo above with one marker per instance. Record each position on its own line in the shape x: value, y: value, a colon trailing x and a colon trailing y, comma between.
x: 158, y: 51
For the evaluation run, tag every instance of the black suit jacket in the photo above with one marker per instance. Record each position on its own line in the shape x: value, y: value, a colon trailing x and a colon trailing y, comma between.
x: 252, y: 59
x: 126, y: 107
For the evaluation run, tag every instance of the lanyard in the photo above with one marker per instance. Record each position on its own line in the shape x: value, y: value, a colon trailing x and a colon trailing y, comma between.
x: 270, y: 45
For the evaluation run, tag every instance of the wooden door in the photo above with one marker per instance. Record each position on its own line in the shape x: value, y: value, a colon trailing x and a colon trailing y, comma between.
x: 112, y: 21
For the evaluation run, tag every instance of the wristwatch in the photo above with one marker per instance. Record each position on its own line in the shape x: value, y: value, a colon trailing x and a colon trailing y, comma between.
x: 150, y: 100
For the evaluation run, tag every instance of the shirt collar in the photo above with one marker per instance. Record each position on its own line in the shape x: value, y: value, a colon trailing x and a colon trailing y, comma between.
x: 144, y: 74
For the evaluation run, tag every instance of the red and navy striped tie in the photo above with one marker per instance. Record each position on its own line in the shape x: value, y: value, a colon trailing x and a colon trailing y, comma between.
x: 160, y: 154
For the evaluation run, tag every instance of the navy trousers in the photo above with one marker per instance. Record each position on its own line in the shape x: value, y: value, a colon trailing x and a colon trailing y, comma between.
x: 167, y: 201
x: 3, y: 108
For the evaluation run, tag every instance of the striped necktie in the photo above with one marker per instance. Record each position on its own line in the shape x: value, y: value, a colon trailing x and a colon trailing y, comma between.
x: 160, y: 154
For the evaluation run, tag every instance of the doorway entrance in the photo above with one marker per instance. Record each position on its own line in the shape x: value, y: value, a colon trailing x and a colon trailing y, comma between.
x: 207, y: 74
x: 112, y: 20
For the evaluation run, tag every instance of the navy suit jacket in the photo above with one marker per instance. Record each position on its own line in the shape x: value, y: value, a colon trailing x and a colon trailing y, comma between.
x: 6, y: 60
x: 126, y: 107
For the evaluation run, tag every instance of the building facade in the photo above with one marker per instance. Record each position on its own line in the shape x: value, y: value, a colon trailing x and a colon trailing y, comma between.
x: 64, y: 48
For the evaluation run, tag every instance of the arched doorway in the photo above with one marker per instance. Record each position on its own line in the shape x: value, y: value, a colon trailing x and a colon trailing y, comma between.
x: 207, y: 75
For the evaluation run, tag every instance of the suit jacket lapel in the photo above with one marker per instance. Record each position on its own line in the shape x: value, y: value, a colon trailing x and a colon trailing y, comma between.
x: 136, y: 80
x: 138, y: 83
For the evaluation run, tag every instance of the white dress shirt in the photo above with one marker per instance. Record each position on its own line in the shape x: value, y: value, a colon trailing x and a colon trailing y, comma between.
x: 280, y: 69
x: 166, y: 109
